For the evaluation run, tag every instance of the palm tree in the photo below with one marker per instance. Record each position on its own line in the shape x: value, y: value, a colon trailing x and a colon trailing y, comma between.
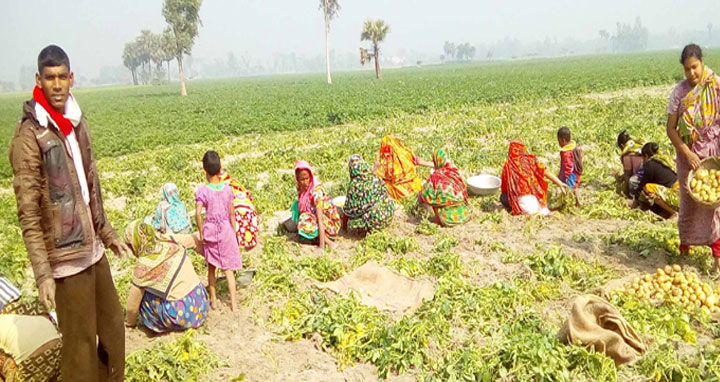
x: 147, y: 45
x: 375, y: 32
x: 330, y: 9
x: 131, y: 59
x: 167, y: 46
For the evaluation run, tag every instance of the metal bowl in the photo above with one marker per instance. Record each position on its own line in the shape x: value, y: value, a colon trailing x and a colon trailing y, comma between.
x: 244, y: 277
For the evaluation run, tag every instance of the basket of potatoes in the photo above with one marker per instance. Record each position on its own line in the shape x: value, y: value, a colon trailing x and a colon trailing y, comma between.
x: 704, y: 183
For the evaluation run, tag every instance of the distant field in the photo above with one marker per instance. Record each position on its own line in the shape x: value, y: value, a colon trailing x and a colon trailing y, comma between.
x: 126, y: 120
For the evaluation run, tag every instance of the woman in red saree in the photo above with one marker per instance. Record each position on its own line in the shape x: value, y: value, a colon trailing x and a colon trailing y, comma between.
x: 524, y: 188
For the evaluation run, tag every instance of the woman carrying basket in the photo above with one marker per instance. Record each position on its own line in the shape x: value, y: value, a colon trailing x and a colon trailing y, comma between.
x: 693, y: 127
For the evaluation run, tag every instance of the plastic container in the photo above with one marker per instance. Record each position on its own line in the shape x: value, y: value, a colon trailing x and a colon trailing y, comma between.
x: 483, y: 184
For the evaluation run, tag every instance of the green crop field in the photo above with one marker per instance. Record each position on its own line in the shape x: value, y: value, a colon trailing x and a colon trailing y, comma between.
x: 504, y: 284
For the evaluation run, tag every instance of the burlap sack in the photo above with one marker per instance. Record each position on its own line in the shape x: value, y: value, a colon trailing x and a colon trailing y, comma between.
x: 594, y: 323
x: 383, y: 288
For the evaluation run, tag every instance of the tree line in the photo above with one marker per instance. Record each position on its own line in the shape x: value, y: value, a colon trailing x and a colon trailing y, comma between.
x: 461, y: 52
x: 147, y: 50
x: 183, y: 18
x: 628, y: 38
x: 176, y: 41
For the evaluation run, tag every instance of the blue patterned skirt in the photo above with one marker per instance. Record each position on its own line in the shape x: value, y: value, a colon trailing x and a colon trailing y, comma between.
x: 161, y: 315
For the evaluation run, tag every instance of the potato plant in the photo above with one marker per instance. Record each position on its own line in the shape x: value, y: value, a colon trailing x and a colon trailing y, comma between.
x: 475, y: 328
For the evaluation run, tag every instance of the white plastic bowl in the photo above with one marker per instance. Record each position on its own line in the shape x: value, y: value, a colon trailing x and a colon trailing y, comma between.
x: 339, y: 201
x: 483, y: 184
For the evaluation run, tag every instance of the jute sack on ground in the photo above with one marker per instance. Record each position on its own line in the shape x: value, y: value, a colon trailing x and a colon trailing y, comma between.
x: 383, y: 288
x: 594, y: 323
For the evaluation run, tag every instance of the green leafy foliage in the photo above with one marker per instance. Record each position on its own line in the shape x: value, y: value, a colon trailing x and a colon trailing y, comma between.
x: 473, y: 329
x: 553, y: 264
x: 183, y: 359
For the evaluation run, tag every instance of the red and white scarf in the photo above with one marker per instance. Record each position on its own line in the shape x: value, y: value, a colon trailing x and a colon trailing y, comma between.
x: 64, y: 122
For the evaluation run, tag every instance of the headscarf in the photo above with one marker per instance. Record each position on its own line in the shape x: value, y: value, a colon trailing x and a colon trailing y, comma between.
x: 701, y: 107
x: 305, y: 198
x: 365, y: 189
x: 170, y: 214
x: 445, y: 187
x: 632, y: 146
x: 8, y: 292
x: 397, y: 168
x: 665, y: 161
x: 523, y: 175
x: 159, y: 258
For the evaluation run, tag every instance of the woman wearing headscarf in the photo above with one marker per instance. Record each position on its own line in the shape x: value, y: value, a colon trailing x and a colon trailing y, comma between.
x: 245, y: 215
x: 396, y: 166
x: 693, y: 126
x: 659, y: 189
x: 524, y: 188
x: 367, y: 205
x: 30, y: 341
x: 445, y: 192
x: 632, y: 161
x: 171, y: 216
x: 316, y: 216
x: 165, y: 292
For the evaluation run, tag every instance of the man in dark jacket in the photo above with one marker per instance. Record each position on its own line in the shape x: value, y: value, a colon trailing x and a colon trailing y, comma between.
x: 64, y: 225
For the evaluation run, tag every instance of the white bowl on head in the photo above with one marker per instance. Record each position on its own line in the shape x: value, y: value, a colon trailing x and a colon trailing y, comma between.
x: 483, y: 184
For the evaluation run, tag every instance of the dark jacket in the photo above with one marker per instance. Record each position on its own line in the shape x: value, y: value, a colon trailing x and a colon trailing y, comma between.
x: 54, y: 220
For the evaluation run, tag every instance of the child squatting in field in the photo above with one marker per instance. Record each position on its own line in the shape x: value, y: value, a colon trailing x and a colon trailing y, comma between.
x: 217, y: 230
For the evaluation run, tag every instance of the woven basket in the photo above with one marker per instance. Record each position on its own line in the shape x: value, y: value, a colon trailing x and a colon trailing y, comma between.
x: 707, y: 164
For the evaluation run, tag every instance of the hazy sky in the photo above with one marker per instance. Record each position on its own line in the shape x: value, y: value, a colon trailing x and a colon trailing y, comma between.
x: 93, y: 32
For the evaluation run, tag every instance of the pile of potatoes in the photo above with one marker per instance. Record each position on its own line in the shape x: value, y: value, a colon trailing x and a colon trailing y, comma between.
x: 705, y: 185
x: 673, y: 284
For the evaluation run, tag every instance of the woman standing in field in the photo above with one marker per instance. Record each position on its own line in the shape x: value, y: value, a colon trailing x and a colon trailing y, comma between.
x: 693, y: 129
